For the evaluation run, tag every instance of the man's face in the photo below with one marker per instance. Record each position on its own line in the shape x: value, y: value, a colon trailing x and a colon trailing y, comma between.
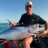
x: 29, y: 8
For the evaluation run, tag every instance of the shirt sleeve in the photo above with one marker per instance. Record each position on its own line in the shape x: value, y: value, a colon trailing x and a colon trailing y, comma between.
x: 21, y: 19
x: 41, y: 21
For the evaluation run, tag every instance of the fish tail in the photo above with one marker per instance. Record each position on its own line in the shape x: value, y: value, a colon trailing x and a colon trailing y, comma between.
x: 9, y: 22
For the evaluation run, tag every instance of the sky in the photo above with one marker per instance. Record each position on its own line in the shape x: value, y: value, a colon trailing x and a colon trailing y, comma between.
x: 13, y: 9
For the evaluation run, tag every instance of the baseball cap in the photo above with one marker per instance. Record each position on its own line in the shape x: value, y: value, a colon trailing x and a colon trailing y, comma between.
x: 29, y: 3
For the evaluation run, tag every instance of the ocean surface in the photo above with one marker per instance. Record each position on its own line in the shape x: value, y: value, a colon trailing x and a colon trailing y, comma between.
x: 4, y: 26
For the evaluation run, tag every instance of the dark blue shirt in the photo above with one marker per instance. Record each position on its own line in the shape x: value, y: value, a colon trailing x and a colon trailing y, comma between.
x: 31, y: 19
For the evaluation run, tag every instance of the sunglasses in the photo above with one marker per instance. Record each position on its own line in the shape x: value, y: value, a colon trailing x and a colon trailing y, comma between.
x: 28, y: 6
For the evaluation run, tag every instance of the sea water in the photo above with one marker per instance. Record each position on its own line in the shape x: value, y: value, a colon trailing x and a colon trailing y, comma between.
x: 4, y: 26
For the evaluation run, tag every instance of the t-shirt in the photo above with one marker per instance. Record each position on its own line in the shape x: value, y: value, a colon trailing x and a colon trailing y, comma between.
x: 31, y: 19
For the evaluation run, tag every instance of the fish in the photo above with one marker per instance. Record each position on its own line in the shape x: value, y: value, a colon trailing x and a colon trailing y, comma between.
x: 20, y: 32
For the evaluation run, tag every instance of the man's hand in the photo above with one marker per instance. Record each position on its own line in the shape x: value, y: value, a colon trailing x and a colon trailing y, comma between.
x: 12, y: 25
x: 43, y: 34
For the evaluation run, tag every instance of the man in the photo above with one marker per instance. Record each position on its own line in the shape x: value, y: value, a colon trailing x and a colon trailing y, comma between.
x: 29, y: 18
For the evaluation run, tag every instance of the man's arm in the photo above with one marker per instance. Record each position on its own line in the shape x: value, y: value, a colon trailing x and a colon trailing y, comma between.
x: 45, y: 33
x: 46, y: 25
x: 15, y: 24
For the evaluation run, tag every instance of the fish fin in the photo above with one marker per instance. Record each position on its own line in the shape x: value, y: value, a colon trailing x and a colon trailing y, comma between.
x: 9, y: 22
